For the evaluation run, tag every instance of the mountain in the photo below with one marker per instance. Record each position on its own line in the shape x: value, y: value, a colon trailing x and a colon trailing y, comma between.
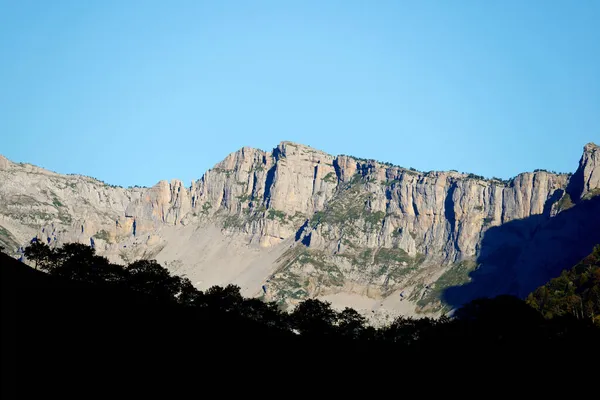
x: 297, y: 222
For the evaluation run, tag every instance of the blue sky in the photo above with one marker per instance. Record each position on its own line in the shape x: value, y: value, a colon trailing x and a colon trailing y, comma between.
x: 132, y: 92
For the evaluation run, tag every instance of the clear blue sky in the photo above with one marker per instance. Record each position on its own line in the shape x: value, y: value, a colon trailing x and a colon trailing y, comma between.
x: 132, y: 92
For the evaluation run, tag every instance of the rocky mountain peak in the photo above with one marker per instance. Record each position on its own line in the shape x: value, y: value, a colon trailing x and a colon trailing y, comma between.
x: 296, y: 222
x: 590, y: 169
x: 4, y: 163
x: 585, y: 182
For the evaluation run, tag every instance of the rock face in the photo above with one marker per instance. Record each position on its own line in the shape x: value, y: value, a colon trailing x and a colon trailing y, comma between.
x: 586, y: 180
x: 343, y: 228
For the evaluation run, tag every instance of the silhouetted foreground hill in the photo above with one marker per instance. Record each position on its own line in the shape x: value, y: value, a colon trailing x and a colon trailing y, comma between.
x: 139, y: 329
x: 68, y: 334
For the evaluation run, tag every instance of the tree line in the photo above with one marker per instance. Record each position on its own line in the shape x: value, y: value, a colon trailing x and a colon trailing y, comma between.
x: 564, y: 310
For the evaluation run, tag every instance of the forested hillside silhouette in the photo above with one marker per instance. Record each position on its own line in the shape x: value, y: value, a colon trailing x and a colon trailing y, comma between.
x: 80, y: 322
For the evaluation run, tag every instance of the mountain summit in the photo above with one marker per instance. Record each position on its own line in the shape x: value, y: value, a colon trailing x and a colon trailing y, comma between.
x: 296, y: 222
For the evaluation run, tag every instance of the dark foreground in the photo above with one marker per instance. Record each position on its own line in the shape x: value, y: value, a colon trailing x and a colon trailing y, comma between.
x: 64, y: 338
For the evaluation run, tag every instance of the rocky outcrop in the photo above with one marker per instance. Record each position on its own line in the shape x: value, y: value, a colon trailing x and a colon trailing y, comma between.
x: 338, y: 224
x: 4, y: 163
x: 586, y: 180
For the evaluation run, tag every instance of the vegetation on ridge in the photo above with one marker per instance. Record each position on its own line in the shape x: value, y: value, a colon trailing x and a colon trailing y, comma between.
x: 576, y: 292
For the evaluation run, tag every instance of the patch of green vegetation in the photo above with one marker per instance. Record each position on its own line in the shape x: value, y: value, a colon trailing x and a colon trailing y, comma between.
x: 564, y: 203
x: 225, y: 171
x: 298, y: 216
x: 384, y: 163
x: 317, y: 218
x: 206, y: 207
x: 412, y: 172
x: 385, y: 255
x: 413, y: 235
x: 551, y: 172
x: 356, y: 178
x: 366, y: 255
x: 57, y: 202
x: 416, y: 292
x: 330, y: 177
x: 345, y: 211
x: 329, y: 274
x: 297, y: 294
x: 383, y: 269
x: 593, y: 193
x: 280, y: 215
x: 288, y: 285
x: 456, y: 275
x: 478, y: 208
x: 244, y: 198
x: 576, y: 292
x: 65, y: 218
x: 100, y: 181
x: 348, y: 243
x: 487, y: 220
x: 374, y: 218
x: 103, y: 235
x: 390, y: 183
x: 476, y: 177
x: 393, y: 264
x: 399, y: 271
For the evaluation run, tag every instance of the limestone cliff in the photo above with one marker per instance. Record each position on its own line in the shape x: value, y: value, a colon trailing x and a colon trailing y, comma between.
x: 318, y: 225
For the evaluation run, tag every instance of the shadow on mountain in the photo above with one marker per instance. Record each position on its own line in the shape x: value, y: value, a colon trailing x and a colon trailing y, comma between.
x: 517, y: 257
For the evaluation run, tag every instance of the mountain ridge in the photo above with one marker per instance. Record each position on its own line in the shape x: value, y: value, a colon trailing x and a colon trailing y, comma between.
x: 296, y: 221
x: 5, y: 159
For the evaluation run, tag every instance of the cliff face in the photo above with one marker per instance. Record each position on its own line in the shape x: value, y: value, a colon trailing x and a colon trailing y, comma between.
x: 386, y: 236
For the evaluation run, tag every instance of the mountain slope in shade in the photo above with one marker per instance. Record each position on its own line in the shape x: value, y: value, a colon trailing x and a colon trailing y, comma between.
x: 576, y: 292
x: 296, y: 222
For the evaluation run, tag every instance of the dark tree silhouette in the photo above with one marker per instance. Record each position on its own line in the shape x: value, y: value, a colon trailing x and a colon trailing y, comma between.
x: 188, y: 295
x: 147, y: 291
x: 407, y: 331
x: 148, y: 277
x: 314, y: 317
x: 226, y: 299
x: 41, y: 255
x: 350, y: 323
